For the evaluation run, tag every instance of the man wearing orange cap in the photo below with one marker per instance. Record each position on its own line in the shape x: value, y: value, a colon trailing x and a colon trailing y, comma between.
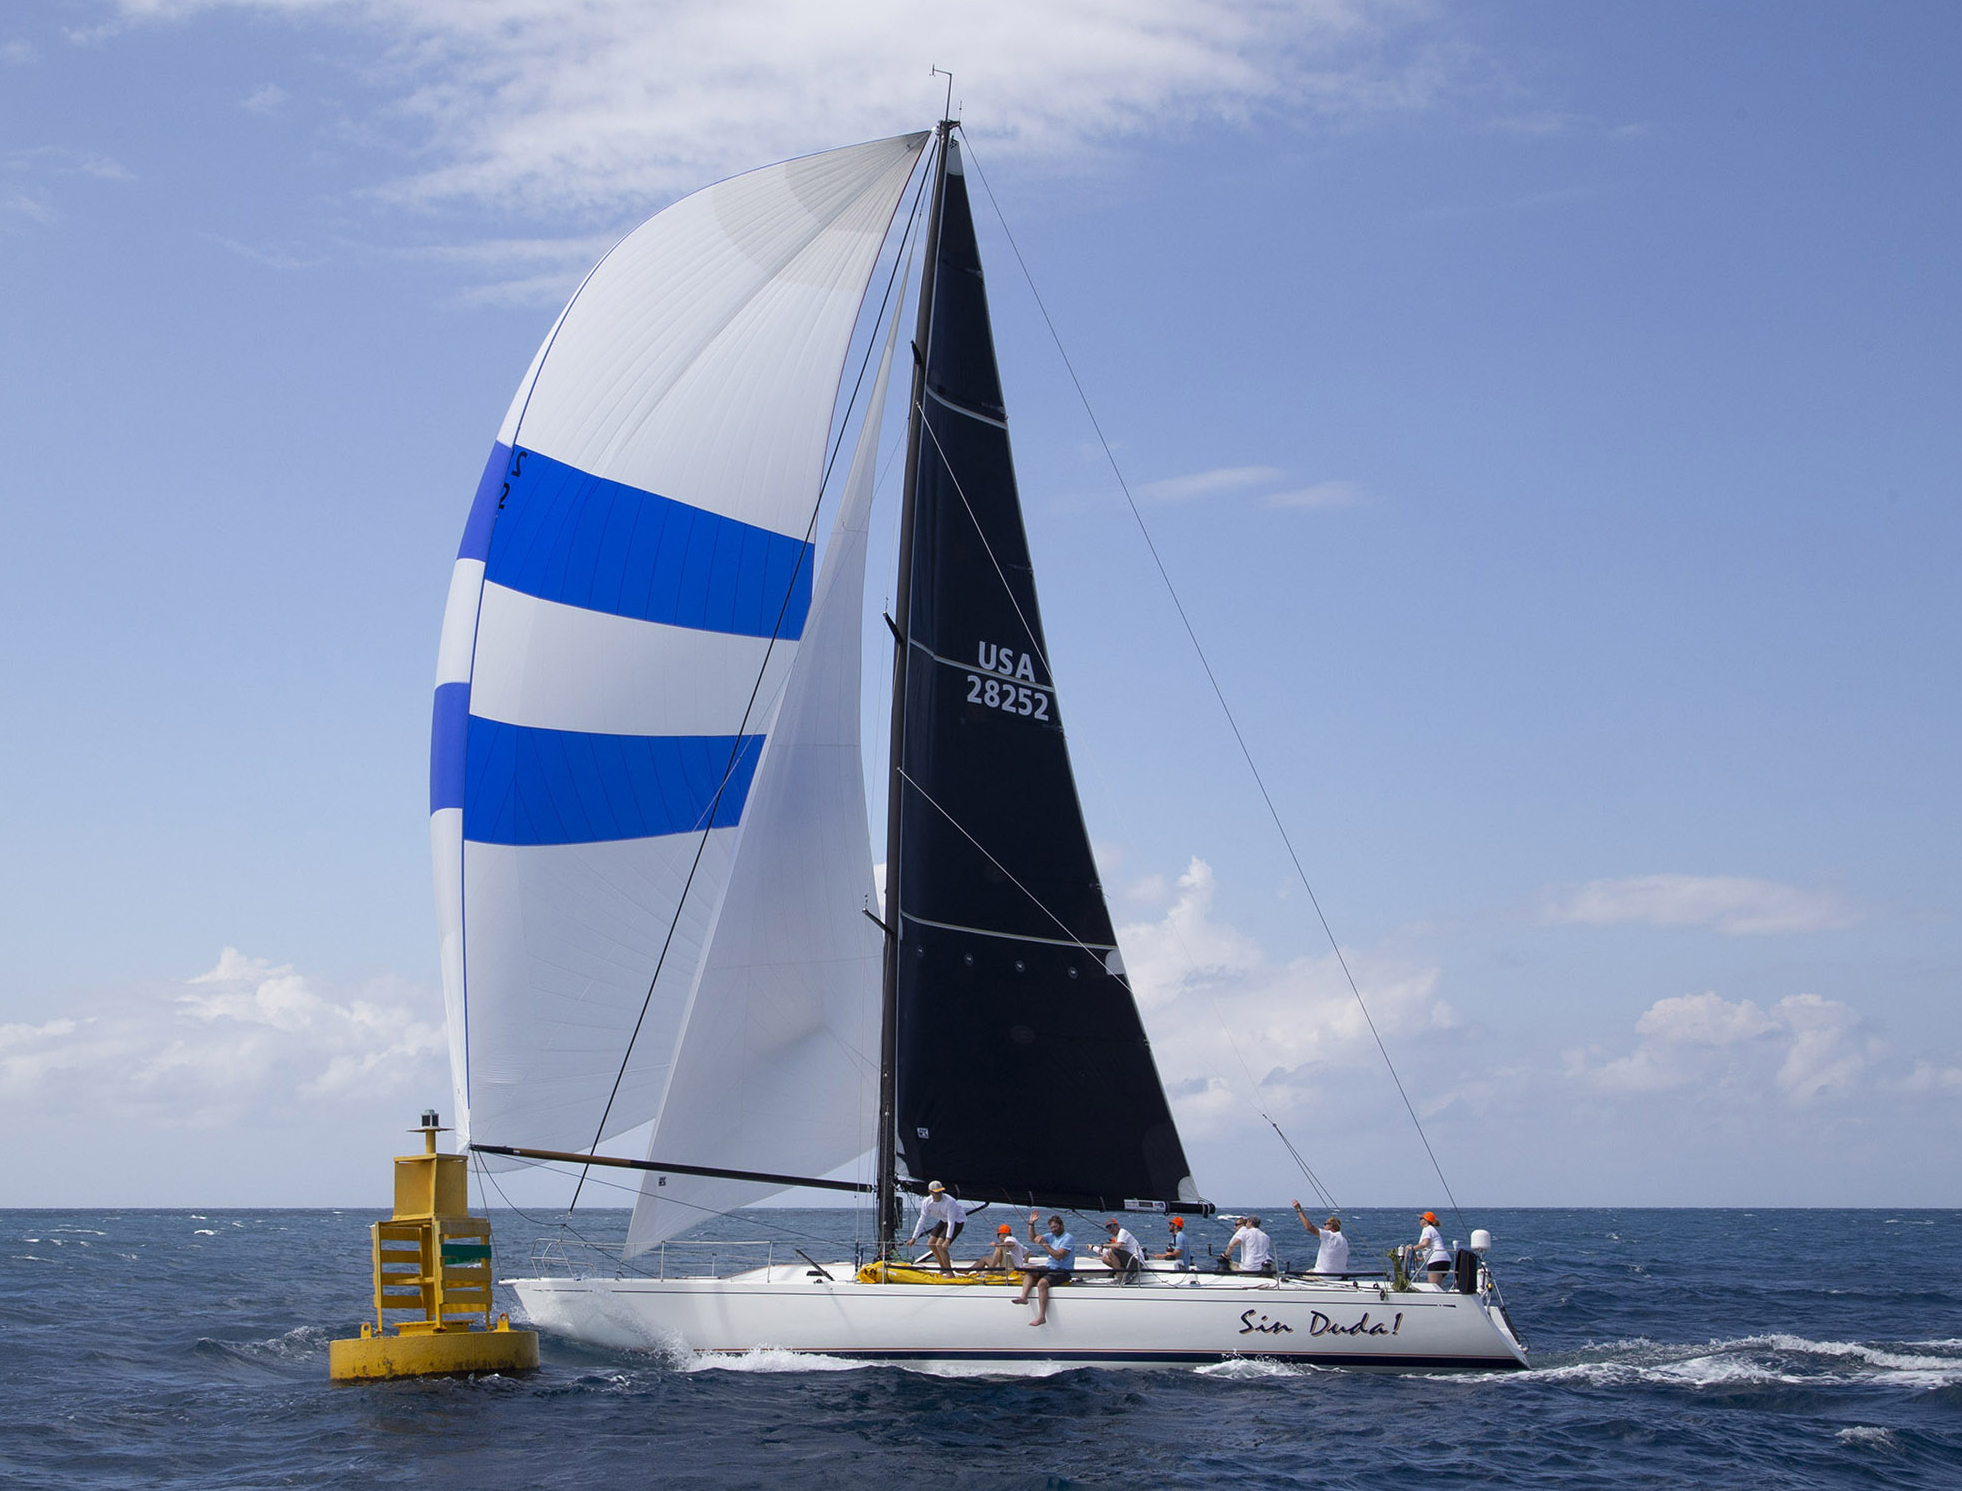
x: 1176, y: 1250
x: 1430, y: 1242
x: 1006, y: 1256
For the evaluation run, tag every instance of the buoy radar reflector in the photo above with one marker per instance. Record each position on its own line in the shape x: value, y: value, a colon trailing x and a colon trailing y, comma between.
x: 432, y: 1263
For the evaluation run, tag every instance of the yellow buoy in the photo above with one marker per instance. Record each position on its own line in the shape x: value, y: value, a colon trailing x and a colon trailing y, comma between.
x: 434, y: 1258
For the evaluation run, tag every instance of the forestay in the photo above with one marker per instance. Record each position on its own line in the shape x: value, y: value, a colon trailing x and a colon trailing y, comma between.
x: 634, y: 579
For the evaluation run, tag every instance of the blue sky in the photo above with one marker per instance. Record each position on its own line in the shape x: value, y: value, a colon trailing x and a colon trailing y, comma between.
x: 1546, y: 413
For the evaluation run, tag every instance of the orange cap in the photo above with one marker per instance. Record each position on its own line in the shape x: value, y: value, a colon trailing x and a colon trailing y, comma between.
x: 1429, y: 1216
x: 1003, y: 1230
x: 1178, y: 1222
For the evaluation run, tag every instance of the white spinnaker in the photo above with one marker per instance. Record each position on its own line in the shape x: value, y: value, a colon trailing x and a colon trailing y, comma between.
x: 698, y: 363
x: 777, y: 1069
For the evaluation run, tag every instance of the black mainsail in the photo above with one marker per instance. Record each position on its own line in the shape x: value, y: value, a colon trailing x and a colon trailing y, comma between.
x: 1017, y: 1067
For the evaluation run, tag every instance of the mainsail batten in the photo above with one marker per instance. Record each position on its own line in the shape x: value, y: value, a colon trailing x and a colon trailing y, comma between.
x: 1022, y: 1071
x: 639, y: 541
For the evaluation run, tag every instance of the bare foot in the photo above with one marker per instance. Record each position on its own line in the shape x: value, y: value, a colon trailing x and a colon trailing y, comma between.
x: 1042, y: 1320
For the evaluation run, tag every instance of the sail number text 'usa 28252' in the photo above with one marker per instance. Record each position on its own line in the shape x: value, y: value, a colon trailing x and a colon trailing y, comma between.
x: 1007, y: 682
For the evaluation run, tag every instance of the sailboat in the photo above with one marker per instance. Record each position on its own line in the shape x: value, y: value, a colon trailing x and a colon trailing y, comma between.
x: 655, y: 882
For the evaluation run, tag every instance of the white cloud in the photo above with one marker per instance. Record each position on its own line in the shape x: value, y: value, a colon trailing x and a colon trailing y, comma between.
x: 1206, y: 483
x: 539, y: 104
x: 18, y: 53
x: 265, y: 99
x: 1733, y: 904
x: 60, y: 160
x: 247, y: 1041
x: 34, y: 209
x: 1322, y: 494
x: 1800, y: 1049
x: 1224, y: 1020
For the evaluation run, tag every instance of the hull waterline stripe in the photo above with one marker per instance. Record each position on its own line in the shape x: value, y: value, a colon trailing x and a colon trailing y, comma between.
x: 524, y: 785
x: 1171, y: 1358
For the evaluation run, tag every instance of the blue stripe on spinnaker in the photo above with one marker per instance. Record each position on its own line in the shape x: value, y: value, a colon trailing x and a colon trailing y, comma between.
x: 582, y: 540
x: 483, y: 507
x: 446, y: 742
x: 530, y: 786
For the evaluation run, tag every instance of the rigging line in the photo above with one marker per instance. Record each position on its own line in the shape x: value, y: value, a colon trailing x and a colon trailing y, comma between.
x: 1075, y: 941
x: 1193, y: 636
x: 736, y: 748
x: 1321, y: 1192
x: 987, y: 547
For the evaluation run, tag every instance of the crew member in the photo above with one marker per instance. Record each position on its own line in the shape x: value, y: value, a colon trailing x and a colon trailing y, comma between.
x: 1256, y: 1248
x: 1430, y: 1243
x: 1041, y: 1273
x: 1122, y: 1253
x: 1176, y: 1249
x: 941, y: 1218
x: 1006, y: 1256
x: 1332, y: 1256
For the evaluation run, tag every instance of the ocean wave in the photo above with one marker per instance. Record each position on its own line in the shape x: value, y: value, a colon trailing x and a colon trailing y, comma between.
x: 302, y: 1343
x: 770, y: 1359
x: 1778, y: 1358
x: 1253, y: 1368
x: 1867, y: 1434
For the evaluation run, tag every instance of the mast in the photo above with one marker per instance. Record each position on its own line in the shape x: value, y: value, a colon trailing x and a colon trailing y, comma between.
x: 888, y: 1165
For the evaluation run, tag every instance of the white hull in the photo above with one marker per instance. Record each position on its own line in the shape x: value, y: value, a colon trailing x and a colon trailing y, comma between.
x: 1162, y: 1319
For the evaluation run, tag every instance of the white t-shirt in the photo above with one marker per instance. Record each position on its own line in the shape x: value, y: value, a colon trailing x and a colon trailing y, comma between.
x: 1332, y: 1257
x: 1256, y: 1248
x: 939, y: 1207
x: 1432, y: 1240
x: 1017, y: 1254
x: 1124, y: 1242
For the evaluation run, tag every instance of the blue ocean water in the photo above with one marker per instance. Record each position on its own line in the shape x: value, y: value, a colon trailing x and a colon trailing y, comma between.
x: 1671, y: 1348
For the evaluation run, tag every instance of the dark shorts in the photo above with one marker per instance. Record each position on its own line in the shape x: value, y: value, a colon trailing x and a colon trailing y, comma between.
x: 1055, y: 1276
x: 939, y: 1229
x: 1123, y: 1259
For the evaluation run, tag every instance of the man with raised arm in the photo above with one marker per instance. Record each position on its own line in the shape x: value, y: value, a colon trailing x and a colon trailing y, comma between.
x: 1332, y: 1256
x: 1057, y: 1268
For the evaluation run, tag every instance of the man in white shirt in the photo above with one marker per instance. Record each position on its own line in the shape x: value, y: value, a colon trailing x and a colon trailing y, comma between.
x: 941, y: 1218
x: 1332, y: 1256
x: 1007, y: 1256
x: 1122, y: 1253
x: 1256, y: 1248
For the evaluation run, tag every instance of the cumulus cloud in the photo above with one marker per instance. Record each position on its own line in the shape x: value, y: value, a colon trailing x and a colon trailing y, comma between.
x: 246, y: 1040
x: 1799, y: 1049
x: 1225, y: 1021
x: 541, y: 104
x: 1733, y: 904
